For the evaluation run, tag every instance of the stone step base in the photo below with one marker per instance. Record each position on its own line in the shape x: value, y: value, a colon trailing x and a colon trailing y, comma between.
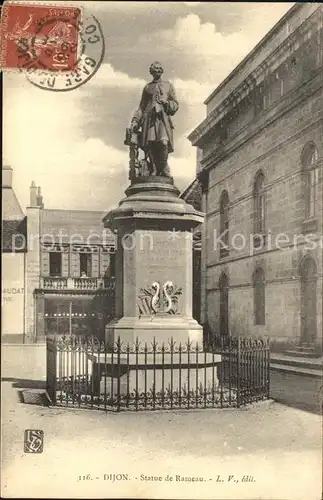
x: 301, y: 353
x: 297, y: 370
x: 301, y: 362
x: 305, y: 348
x: 144, y: 379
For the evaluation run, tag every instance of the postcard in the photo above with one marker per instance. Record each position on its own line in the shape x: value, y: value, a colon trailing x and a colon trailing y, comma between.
x: 162, y: 271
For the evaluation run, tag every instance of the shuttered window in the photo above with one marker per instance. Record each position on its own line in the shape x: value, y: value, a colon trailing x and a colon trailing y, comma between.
x: 65, y: 264
x: 75, y: 264
x: 45, y: 263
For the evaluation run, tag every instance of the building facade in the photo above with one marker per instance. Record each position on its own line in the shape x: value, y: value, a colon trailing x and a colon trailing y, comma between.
x: 58, y: 270
x: 260, y: 168
x: 13, y: 260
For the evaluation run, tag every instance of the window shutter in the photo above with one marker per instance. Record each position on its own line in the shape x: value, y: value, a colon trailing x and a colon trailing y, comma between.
x: 105, y: 263
x: 65, y: 262
x: 45, y: 263
x: 75, y: 264
x: 95, y: 265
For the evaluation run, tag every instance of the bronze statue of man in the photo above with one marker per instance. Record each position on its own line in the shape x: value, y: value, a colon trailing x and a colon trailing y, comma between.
x: 153, y: 118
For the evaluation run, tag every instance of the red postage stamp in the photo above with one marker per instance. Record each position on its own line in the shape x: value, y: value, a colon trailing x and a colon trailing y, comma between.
x: 39, y: 36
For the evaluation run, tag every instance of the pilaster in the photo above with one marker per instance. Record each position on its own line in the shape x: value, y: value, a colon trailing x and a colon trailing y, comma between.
x: 32, y: 271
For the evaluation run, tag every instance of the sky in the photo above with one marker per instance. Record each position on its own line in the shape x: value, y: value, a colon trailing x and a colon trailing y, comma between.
x: 71, y: 143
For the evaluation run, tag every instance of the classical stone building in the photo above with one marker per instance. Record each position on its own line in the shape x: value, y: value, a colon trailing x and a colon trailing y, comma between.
x: 58, y: 269
x: 261, y: 157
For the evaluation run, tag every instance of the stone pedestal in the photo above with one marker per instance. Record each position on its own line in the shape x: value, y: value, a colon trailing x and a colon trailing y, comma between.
x: 194, y: 372
x: 153, y: 264
x: 154, y: 292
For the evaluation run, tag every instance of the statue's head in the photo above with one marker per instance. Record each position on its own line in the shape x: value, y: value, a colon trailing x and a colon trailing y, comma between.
x: 156, y: 69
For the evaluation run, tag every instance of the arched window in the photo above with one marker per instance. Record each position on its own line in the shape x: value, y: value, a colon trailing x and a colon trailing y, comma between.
x: 310, y: 168
x: 224, y: 224
x: 259, y: 296
x: 224, y: 304
x: 259, y: 204
x: 308, y: 305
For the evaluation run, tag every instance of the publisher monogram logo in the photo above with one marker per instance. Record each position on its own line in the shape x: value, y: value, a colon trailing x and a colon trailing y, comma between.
x: 34, y: 441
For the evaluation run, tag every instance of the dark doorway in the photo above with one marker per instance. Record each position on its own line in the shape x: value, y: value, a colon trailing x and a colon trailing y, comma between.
x: 224, y: 305
x: 308, y: 274
x: 259, y: 296
x: 197, y: 284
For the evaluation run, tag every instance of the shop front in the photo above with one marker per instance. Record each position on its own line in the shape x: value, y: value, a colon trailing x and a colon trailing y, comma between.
x: 71, y: 314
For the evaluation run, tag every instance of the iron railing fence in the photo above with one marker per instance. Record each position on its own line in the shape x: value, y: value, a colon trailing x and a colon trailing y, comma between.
x: 246, y: 365
x: 85, y: 372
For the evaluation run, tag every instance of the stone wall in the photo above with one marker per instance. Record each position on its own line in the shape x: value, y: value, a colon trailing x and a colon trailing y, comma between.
x: 276, y: 151
x: 13, y: 293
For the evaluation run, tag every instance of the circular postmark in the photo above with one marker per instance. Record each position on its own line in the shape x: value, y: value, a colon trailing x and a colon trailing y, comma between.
x: 83, y: 58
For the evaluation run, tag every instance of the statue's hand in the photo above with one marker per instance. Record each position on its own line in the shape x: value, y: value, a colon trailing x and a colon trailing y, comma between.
x: 134, y: 126
x: 162, y: 100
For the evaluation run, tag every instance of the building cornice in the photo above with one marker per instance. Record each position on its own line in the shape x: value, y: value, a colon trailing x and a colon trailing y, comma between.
x: 294, y: 98
x: 269, y: 65
x: 278, y: 26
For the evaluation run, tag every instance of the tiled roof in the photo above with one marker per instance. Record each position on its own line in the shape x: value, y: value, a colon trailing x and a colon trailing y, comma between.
x: 14, y: 235
x: 193, y: 195
x: 11, y: 209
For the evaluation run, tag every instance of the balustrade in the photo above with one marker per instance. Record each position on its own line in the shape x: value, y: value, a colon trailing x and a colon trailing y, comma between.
x: 59, y: 283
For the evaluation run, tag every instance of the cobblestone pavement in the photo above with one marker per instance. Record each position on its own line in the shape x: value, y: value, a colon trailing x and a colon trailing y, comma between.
x: 277, y: 446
